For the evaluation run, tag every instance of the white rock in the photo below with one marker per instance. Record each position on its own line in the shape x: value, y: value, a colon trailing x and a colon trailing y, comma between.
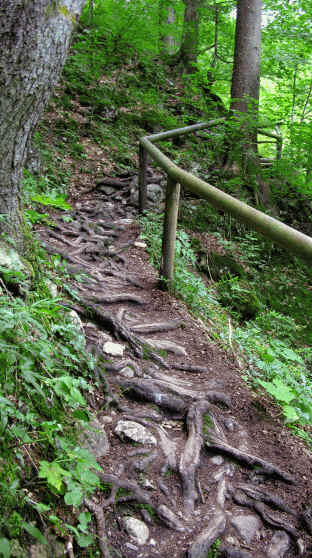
x: 246, y: 526
x: 279, y: 545
x: 95, y: 439
x: 137, y: 529
x: 114, y: 349
x: 148, y: 484
x: 127, y: 372
x: 152, y: 542
x: 75, y: 319
x: 52, y: 288
x: 217, y: 460
x: 135, y: 432
x: 140, y: 244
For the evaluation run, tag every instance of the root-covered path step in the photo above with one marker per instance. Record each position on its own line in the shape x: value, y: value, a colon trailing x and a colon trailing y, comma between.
x: 189, y: 458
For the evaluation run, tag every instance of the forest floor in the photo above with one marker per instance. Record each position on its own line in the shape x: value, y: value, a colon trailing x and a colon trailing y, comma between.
x: 204, y: 467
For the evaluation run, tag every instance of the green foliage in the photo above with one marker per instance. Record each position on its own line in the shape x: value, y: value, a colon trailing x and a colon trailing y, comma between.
x: 43, y: 371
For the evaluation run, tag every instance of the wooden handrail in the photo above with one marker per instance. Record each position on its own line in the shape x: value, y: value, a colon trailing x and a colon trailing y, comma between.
x: 275, y: 230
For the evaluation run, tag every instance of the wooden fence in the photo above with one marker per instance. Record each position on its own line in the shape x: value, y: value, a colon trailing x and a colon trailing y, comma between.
x: 275, y: 230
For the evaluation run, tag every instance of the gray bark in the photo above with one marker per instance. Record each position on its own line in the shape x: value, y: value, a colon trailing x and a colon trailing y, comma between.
x: 247, y: 56
x: 34, y: 39
x: 167, y: 18
x: 242, y: 146
x: 189, y: 46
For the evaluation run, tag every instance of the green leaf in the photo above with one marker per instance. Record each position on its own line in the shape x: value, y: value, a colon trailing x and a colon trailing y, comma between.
x: 84, y: 540
x: 279, y: 390
x: 84, y: 519
x: 34, y: 532
x: 5, y: 548
x: 57, y: 201
x: 81, y: 415
x: 54, y: 474
x: 290, y: 413
x: 41, y: 508
x: 74, y: 497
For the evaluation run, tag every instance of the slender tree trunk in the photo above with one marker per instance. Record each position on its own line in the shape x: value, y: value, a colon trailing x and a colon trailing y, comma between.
x: 34, y: 37
x: 247, y: 57
x: 189, y: 46
x: 167, y: 17
x: 246, y: 82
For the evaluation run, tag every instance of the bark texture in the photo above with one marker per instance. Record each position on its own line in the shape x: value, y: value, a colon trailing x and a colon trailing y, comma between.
x: 34, y: 39
x: 189, y: 46
x: 247, y: 55
x: 167, y: 17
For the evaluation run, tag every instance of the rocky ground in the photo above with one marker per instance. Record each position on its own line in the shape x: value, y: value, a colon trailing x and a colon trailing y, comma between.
x: 190, y: 457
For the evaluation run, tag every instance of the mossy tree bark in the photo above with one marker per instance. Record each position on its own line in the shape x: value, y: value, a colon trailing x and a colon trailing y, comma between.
x: 34, y: 38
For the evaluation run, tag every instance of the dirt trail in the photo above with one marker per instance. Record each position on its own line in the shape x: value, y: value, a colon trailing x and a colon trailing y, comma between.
x: 189, y: 456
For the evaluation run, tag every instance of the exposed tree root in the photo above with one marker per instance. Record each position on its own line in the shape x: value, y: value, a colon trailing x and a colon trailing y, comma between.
x: 114, y: 326
x: 169, y: 449
x: 169, y: 518
x: 261, y: 496
x: 97, y: 510
x: 190, y: 368
x: 215, y: 443
x: 166, y: 345
x: 142, y: 464
x: 146, y: 390
x: 125, y: 277
x: 139, y: 495
x: 206, y: 538
x: 120, y: 297
x: 233, y: 552
x: 110, y: 367
x: 275, y: 521
x: 190, y: 458
x: 156, y: 327
x: 164, y: 513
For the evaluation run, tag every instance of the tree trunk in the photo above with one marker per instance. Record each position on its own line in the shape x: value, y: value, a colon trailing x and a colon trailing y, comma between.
x: 247, y: 57
x: 189, y: 46
x: 246, y: 79
x: 167, y: 18
x: 34, y: 38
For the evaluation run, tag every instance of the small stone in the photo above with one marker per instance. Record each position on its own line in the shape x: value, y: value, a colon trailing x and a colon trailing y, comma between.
x: 155, y: 193
x: 106, y: 419
x: 230, y: 424
x: 137, y: 529
x: 128, y: 430
x: 51, y: 287
x: 152, y: 542
x: 148, y: 484
x: 279, y: 545
x: 140, y: 244
x: 127, y: 372
x: 246, y: 526
x: 131, y: 546
x: 217, y: 460
x: 94, y: 439
x: 114, y: 349
x: 108, y: 190
x: 74, y: 318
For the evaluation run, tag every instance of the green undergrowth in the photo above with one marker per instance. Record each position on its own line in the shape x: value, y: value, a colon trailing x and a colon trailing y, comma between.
x: 273, y: 348
x: 45, y: 378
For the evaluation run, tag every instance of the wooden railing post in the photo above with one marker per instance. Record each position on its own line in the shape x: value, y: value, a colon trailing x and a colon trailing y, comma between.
x: 170, y: 228
x: 142, y: 179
